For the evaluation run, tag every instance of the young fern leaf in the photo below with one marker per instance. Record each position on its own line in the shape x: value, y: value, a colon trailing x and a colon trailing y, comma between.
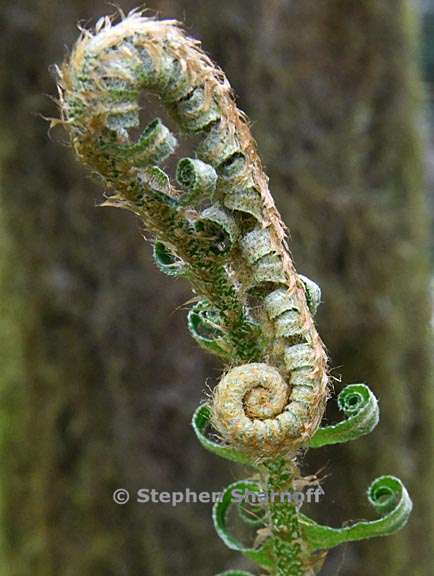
x: 234, y: 251
x: 360, y: 407
x: 205, y: 325
x: 200, y: 422
x: 197, y: 178
x: 262, y: 555
x: 387, y: 495
x: 167, y: 262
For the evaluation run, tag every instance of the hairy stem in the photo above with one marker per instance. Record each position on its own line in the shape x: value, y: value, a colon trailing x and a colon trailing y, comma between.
x: 286, y: 531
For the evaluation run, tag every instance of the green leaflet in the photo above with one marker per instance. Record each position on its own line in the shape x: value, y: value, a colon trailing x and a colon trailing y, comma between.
x: 195, y: 112
x: 166, y: 261
x: 245, y: 200
x: 313, y: 293
x: 203, y: 324
x: 200, y: 422
x: 155, y: 144
x: 218, y: 145
x: 261, y: 555
x: 360, y: 406
x: 156, y: 182
x: 219, y: 227
x: 388, y: 495
x: 233, y: 166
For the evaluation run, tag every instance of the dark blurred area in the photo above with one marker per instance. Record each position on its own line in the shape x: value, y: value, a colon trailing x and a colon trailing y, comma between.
x: 99, y: 377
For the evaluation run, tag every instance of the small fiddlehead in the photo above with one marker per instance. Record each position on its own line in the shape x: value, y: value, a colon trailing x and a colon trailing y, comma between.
x: 360, y: 407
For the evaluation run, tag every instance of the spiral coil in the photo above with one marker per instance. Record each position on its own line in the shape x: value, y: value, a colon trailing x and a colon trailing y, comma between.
x: 220, y: 229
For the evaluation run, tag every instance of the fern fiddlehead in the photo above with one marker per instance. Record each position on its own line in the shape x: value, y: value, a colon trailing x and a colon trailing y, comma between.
x: 217, y: 227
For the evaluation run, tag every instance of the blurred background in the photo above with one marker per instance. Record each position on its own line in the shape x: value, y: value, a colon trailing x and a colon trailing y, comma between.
x: 98, y: 375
